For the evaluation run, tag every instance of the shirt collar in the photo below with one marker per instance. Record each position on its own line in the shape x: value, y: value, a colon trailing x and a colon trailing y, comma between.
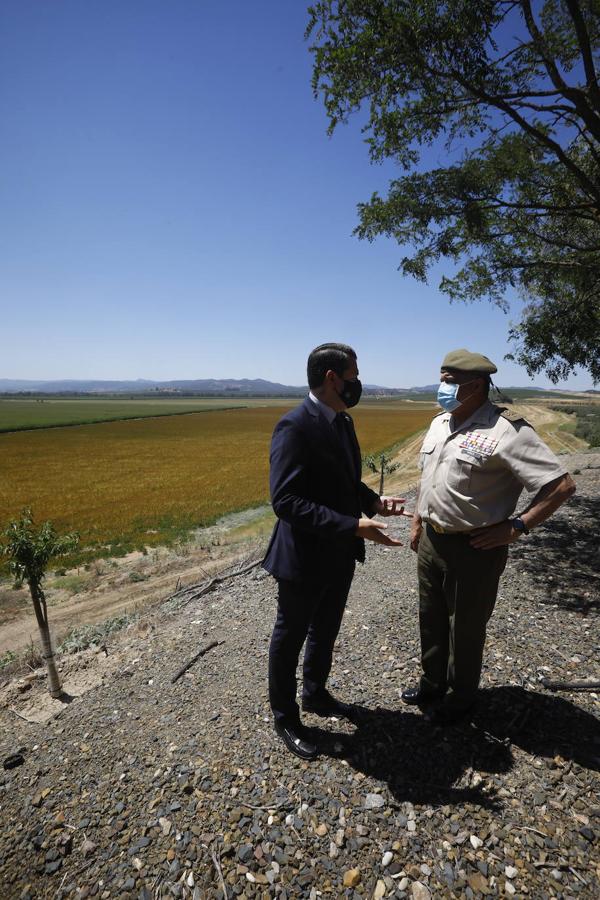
x: 327, y: 411
x: 483, y: 416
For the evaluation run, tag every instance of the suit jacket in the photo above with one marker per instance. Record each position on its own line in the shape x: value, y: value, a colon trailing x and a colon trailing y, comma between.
x: 316, y: 493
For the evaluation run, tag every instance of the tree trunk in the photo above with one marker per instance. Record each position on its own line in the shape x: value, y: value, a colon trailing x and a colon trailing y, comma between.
x: 381, y: 477
x: 41, y: 614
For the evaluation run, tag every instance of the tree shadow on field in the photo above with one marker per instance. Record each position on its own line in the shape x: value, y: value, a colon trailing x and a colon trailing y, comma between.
x: 429, y: 765
x: 564, y: 556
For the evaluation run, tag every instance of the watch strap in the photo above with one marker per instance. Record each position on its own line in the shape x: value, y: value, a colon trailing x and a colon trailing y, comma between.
x: 519, y: 525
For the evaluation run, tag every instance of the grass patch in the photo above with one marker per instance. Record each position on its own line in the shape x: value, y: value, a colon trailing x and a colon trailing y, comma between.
x: 587, y: 421
x: 23, y: 415
x: 7, y: 658
x: 85, y: 636
x: 137, y: 576
x: 73, y: 584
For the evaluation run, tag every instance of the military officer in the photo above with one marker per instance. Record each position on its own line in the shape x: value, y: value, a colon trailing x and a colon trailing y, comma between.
x: 475, y: 460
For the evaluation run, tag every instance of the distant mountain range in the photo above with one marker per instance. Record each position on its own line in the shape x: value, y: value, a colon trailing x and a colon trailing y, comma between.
x: 144, y: 386
x: 218, y: 386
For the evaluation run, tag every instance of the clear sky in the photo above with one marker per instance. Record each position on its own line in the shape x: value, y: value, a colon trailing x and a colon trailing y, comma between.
x: 171, y: 206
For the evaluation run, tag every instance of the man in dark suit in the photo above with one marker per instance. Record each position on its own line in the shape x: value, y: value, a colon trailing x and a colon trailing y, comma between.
x: 319, y: 498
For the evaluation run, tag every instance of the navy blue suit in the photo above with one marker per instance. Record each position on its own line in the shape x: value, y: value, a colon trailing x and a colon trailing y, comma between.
x: 318, y: 498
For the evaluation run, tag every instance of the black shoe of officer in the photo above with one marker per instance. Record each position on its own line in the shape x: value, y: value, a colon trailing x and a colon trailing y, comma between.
x: 325, y: 704
x: 297, y: 739
x: 418, y: 697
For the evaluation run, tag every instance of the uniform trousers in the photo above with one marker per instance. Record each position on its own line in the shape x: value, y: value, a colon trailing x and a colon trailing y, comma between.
x: 458, y: 586
x: 310, y: 610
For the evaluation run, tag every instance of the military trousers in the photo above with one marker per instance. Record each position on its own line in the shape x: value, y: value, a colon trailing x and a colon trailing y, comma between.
x: 458, y: 586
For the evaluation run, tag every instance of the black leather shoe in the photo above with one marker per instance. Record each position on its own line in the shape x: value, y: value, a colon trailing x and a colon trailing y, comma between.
x: 296, y: 740
x: 418, y: 697
x: 328, y: 705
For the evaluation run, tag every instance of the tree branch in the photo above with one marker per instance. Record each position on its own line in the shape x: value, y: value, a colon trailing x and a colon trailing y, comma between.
x: 586, y: 50
x: 574, y: 94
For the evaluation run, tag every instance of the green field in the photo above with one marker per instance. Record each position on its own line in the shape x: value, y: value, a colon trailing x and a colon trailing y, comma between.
x: 22, y: 415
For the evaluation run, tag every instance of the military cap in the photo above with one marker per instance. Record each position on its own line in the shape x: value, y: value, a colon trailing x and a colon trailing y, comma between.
x: 466, y: 361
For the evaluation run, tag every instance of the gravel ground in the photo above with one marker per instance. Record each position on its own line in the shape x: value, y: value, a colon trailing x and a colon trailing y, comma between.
x: 142, y: 788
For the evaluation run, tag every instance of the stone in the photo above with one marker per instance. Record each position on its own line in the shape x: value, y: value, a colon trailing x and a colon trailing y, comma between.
x: 374, y: 801
x: 478, y: 883
x: 511, y: 872
x: 386, y: 859
x: 419, y: 891
x: 88, y: 847
x: 53, y: 867
x: 476, y: 842
x: 321, y: 830
x: 380, y: 890
x: 351, y: 878
x: 245, y: 853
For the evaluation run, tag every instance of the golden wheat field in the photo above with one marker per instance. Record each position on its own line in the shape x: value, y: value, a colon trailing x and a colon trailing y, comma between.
x: 142, y: 482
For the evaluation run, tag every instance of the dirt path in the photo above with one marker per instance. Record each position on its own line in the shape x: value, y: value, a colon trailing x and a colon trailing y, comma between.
x: 113, y: 595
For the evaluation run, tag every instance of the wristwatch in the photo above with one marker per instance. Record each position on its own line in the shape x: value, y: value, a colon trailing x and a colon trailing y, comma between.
x: 519, y: 525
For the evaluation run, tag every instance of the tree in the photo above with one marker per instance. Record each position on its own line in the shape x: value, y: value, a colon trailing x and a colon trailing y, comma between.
x: 29, y: 551
x: 382, y: 466
x: 514, y: 84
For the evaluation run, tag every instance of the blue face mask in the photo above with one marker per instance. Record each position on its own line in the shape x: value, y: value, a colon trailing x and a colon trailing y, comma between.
x: 446, y: 395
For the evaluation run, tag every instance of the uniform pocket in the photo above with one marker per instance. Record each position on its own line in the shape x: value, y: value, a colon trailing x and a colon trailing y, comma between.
x: 463, y: 470
x: 425, y: 454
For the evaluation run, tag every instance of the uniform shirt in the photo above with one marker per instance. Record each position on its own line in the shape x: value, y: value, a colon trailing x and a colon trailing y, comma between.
x: 473, y: 475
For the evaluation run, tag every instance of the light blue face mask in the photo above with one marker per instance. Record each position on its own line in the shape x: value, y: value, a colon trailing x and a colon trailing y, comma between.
x: 446, y: 395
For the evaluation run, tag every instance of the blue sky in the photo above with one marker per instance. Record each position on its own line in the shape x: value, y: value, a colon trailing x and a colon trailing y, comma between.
x: 171, y: 206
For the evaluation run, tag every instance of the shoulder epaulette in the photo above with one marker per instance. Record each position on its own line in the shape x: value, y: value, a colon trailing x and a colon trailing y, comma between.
x: 512, y: 416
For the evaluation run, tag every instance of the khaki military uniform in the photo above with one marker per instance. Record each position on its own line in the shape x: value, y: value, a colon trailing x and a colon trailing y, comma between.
x: 472, y: 477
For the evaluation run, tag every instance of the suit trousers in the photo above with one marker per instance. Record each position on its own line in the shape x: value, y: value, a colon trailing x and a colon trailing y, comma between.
x: 458, y: 586
x: 311, y: 611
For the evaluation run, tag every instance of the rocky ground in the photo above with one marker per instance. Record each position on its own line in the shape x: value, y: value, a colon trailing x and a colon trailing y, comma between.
x: 145, y: 788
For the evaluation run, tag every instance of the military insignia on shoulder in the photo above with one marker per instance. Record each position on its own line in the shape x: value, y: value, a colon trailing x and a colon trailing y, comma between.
x: 512, y: 416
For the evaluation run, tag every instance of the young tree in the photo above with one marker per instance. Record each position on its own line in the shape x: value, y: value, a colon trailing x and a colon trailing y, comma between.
x: 29, y: 551
x: 383, y: 467
x: 514, y: 85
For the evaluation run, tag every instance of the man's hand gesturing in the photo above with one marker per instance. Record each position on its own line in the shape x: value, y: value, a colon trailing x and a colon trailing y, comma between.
x: 391, y: 506
x: 375, y: 531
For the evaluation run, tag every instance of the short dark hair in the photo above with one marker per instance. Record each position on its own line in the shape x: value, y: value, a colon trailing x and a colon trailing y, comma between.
x: 336, y: 357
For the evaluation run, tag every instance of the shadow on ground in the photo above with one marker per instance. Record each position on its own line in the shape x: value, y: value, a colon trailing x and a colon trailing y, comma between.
x: 564, y: 556
x: 430, y: 765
